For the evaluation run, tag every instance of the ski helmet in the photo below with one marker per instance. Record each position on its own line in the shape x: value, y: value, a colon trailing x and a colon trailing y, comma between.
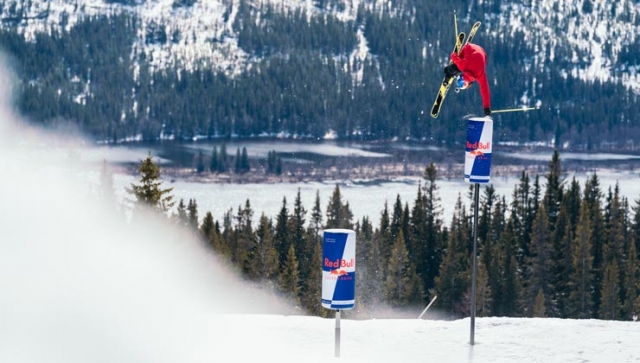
x: 461, y: 83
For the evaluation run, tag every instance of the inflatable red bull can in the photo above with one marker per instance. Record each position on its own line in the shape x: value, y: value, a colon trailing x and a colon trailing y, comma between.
x: 339, y: 269
x: 477, y: 161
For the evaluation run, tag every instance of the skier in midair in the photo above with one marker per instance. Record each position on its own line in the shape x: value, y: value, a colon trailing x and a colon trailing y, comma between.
x: 469, y: 66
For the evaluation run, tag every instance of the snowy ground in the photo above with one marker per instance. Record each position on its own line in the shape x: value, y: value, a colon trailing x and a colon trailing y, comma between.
x: 497, y: 340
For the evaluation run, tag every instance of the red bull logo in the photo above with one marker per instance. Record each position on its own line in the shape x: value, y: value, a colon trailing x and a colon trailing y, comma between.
x: 339, y: 272
x: 479, y: 145
x: 339, y: 263
x: 478, y: 153
x: 338, y: 269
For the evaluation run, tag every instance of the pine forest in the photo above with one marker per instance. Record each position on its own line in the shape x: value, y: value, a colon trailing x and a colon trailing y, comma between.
x: 559, y: 249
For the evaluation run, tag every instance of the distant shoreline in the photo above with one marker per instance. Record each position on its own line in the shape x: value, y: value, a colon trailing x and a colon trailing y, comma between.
x: 381, y: 172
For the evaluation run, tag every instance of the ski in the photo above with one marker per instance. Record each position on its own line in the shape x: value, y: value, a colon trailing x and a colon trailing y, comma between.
x: 446, y: 82
x: 472, y: 33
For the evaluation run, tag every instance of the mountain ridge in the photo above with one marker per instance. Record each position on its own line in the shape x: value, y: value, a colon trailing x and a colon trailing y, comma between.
x: 210, y: 34
x: 375, y: 64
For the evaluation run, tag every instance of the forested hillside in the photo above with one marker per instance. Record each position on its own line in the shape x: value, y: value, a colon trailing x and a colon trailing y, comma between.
x: 559, y: 249
x: 367, y: 70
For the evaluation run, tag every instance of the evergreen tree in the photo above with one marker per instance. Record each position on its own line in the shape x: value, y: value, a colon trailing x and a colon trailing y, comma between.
x: 149, y: 193
x: 483, y: 292
x: 192, y: 216
x: 281, y: 239
x: 562, y: 239
x: 244, y: 161
x: 493, y: 254
x: 396, y: 219
x: 181, y: 213
x: 434, y: 246
x: 635, y: 226
x: 274, y: 163
x: 264, y: 257
x: 218, y: 239
x: 312, y: 298
x: 453, y: 281
x: 610, y: 303
x: 562, y: 264
x: 539, y: 276
x: 581, y: 297
x: 402, y: 285
x: 381, y: 240
x: 208, y: 226
x: 214, y: 167
x: 297, y: 230
x: 573, y: 201
x: 367, y: 261
x: 238, y: 166
x: 485, y: 214
x: 246, y: 244
x: 523, y: 214
x: 223, y: 159
x: 199, y: 162
x: 631, y: 287
x: 535, y: 198
x: 315, y: 222
x: 505, y: 301
x: 271, y: 162
x: 554, y: 192
x: 298, y: 235
x: 418, y: 240
x: 338, y: 214
x: 539, y: 306
x: 593, y: 200
x: 289, y: 279
x: 616, y: 226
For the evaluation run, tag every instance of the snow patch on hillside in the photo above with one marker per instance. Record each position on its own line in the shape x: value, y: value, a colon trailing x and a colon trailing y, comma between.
x: 596, y: 31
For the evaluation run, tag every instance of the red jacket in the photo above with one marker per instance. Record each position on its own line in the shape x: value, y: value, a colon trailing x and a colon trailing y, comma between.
x: 471, y: 62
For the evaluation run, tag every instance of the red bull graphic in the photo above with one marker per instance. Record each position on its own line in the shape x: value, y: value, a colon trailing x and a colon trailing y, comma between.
x: 339, y: 269
x: 477, y: 161
x: 339, y: 272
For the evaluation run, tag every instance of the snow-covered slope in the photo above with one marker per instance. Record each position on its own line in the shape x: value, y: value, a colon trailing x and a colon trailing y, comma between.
x: 595, y: 31
x: 205, y: 27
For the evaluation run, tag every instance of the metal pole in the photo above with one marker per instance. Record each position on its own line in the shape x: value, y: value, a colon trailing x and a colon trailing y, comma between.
x: 520, y: 109
x: 475, y: 263
x: 428, y: 306
x: 337, y: 334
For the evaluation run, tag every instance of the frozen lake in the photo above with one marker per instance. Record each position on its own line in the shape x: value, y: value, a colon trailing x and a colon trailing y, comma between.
x: 365, y: 197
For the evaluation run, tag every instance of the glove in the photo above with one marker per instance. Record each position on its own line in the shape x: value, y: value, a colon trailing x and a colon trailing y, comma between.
x: 487, y: 111
x: 451, y: 70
